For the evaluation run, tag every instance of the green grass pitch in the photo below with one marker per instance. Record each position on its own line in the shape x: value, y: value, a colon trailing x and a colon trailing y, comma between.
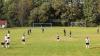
x: 46, y: 44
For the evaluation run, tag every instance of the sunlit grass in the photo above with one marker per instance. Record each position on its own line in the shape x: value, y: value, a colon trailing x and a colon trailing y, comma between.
x: 45, y: 44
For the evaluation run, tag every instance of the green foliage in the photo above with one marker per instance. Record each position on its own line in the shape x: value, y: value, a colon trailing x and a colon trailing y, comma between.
x: 1, y: 8
x: 25, y: 12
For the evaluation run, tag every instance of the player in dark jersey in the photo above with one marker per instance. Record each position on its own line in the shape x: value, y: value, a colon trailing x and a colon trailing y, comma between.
x: 8, y: 32
x: 42, y: 28
x: 64, y: 32
x: 70, y: 33
x: 28, y: 32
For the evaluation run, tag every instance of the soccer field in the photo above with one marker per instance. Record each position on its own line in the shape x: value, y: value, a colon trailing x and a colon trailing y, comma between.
x: 46, y: 44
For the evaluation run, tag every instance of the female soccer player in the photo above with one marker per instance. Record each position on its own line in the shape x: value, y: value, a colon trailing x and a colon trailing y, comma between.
x: 23, y: 39
x: 7, y: 41
x: 70, y: 33
x: 87, y: 40
x: 58, y: 37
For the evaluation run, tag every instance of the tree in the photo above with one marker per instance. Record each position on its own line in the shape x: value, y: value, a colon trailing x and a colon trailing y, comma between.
x: 33, y: 15
x: 97, y: 11
x: 12, y: 12
x: 88, y: 11
x: 39, y: 14
x: 25, y: 6
x: 1, y: 8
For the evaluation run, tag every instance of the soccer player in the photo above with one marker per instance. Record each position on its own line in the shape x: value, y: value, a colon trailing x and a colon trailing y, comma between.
x: 7, y: 41
x: 97, y: 30
x: 70, y: 33
x: 58, y: 37
x: 87, y: 40
x: 8, y: 31
x: 28, y: 32
x: 23, y: 39
x: 42, y: 28
x: 64, y: 32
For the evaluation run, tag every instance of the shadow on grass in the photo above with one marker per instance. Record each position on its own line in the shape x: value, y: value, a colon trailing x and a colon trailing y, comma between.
x: 98, y: 47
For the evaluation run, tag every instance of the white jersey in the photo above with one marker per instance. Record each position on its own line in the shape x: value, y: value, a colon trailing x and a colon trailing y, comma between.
x: 7, y: 40
x: 8, y: 35
x: 23, y: 37
x: 87, y: 40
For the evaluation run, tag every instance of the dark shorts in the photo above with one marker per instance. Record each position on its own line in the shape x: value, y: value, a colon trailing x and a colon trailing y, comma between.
x: 58, y: 38
x: 2, y: 43
x: 8, y: 37
x: 87, y: 43
x: 23, y: 40
x: 8, y: 43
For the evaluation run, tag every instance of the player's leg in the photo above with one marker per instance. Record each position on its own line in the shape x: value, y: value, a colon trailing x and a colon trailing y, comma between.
x: 8, y: 45
x: 64, y: 34
x: 70, y: 35
x: 2, y: 44
x: 88, y: 46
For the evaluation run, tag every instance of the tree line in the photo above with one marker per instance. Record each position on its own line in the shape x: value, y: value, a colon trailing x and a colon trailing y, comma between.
x: 58, y: 12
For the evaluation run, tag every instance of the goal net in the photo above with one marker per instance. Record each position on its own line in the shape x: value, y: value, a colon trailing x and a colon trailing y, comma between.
x: 42, y: 24
x: 81, y: 24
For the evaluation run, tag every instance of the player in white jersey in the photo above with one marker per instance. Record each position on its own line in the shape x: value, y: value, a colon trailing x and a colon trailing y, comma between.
x: 58, y: 37
x: 7, y: 41
x: 23, y: 39
x: 87, y: 40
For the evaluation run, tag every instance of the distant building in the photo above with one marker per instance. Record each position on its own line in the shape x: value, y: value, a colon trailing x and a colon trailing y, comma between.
x: 3, y: 23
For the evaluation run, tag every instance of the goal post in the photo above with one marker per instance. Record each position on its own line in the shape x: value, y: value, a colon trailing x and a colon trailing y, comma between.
x: 42, y: 24
x: 79, y: 32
